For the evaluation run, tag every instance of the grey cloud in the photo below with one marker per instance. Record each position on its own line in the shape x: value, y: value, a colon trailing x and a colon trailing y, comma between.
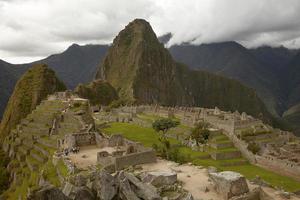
x: 42, y: 27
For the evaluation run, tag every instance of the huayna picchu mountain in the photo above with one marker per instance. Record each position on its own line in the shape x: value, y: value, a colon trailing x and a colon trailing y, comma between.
x: 143, y: 71
x: 35, y: 85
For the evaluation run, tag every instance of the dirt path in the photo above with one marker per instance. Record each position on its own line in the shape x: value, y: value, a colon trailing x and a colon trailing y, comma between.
x: 195, y: 180
x: 86, y: 157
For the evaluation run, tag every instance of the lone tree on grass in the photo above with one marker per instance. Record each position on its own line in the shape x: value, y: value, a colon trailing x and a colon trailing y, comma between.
x: 163, y: 125
x: 200, y: 133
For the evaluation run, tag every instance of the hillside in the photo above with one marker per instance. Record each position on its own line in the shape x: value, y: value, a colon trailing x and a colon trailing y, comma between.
x: 143, y: 71
x: 232, y: 60
x: 33, y: 86
x: 292, y: 77
x: 75, y: 65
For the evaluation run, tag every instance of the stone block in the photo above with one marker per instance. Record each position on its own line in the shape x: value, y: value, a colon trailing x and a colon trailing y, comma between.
x: 159, y: 179
x: 229, y: 184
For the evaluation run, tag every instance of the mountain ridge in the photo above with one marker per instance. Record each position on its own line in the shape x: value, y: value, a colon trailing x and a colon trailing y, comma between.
x: 34, y: 85
x: 143, y: 71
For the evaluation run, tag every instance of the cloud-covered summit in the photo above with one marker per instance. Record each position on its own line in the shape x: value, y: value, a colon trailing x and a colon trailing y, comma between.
x: 30, y: 29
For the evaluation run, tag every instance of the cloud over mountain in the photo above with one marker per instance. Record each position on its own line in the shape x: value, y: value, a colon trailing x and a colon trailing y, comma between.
x: 36, y: 28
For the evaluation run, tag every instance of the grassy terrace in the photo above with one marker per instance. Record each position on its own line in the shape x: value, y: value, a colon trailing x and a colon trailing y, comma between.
x: 148, y: 137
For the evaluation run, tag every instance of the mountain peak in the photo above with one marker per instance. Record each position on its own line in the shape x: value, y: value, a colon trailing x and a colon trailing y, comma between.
x: 30, y: 90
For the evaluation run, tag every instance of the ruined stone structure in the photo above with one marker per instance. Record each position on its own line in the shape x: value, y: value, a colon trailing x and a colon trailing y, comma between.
x: 118, y: 153
x: 279, y: 149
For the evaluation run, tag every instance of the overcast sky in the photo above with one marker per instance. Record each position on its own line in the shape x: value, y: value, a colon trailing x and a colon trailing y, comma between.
x: 33, y: 29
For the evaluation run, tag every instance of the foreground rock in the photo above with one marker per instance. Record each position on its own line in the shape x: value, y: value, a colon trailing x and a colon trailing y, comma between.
x: 122, y: 186
x: 159, y: 179
x: 47, y: 193
x: 229, y: 184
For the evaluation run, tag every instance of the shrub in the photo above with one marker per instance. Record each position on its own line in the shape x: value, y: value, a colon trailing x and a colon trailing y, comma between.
x: 200, y: 133
x: 253, y: 147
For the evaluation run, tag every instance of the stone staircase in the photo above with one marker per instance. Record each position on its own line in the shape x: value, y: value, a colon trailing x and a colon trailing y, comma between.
x: 28, y: 154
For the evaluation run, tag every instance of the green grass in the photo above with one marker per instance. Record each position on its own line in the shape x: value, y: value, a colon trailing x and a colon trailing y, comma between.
x: 148, y: 136
x: 62, y: 168
x: 250, y: 171
x: 28, y: 182
x: 50, y: 174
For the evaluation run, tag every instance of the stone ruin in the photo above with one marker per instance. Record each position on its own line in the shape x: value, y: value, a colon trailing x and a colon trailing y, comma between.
x: 233, y: 186
x: 117, y: 153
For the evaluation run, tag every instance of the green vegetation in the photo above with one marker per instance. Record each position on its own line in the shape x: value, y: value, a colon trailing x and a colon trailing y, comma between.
x: 62, y: 168
x: 98, y: 92
x: 163, y: 125
x: 30, y: 90
x: 143, y: 71
x: 4, y: 175
x: 148, y: 137
x: 49, y: 173
x: 200, y: 133
x: 253, y: 147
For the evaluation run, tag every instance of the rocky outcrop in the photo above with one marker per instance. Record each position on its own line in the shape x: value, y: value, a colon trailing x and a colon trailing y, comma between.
x: 160, y: 178
x: 142, y: 190
x: 122, y: 185
x: 105, y: 186
x: 229, y: 184
x: 48, y: 193
x: 84, y: 193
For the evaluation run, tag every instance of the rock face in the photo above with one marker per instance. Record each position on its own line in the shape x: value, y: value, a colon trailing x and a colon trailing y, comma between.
x: 48, y: 193
x: 144, y: 191
x: 229, y: 184
x: 160, y: 178
x: 105, y: 186
x: 84, y: 193
x: 142, y: 71
x: 30, y: 90
x: 122, y: 186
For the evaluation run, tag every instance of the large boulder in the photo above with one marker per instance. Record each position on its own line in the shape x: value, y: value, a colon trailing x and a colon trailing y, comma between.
x: 84, y: 193
x: 69, y: 189
x: 142, y: 190
x: 48, y: 193
x: 125, y: 191
x: 159, y: 179
x: 105, y: 185
x: 255, y: 194
x: 229, y: 184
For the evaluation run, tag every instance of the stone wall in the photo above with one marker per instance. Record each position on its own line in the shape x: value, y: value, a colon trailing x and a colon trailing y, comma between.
x: 280, y: 166
x: 135, y: 159
x: 242, y: 146
x: 225, y: 155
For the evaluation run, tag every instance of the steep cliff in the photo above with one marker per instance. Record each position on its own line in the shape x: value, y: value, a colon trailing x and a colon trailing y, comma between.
x: 143, y: 71
x: 33, y: 86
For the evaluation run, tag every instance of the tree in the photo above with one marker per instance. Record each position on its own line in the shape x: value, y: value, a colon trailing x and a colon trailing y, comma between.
x: 163, y: 125
x: 200, y: 133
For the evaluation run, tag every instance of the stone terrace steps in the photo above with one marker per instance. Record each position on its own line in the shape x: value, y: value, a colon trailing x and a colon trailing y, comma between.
x: 222, y: 148
x: 38, y: 156
x: 261, y: 137
x: 47, y: 142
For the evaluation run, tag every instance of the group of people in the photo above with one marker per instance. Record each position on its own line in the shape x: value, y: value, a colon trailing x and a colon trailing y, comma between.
x: 72, y: 150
